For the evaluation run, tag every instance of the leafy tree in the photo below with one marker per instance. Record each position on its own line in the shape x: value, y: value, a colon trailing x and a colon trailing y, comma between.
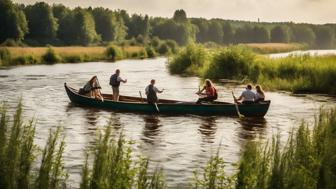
x: 13, y: 22
x: 243, y: 34
x: 41, y: 22
x: 302, y: 34
x: 180, y: 16
x: 215, y: 31
x: 260, y: 35
x: 107, y: 25
x: 228, y: 33
x: 279, y: 34
x: 80, y: 28
x: 61, y: 13
x: 202, y: 28
x: 324, y: 37
x: 139, y: 25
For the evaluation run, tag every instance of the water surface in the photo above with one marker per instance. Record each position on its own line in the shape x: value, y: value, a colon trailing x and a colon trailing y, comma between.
x: 180, y: 144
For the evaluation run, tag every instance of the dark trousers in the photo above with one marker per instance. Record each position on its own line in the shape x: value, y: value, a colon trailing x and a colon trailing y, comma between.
x: 206, y: 99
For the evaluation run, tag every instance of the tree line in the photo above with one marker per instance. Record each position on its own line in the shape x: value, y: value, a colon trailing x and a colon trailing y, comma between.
x: 41, y: 24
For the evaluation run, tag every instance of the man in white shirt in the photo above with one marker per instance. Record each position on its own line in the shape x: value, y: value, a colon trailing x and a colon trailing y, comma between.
x: 247, y: 96
x: 115, y: 80
x: 151, y: 91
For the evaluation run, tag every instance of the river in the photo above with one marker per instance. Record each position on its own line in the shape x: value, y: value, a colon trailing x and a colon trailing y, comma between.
x: 180, y: 144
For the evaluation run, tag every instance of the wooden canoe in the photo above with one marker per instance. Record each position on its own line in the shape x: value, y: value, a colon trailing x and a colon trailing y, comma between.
x: 135, y: 104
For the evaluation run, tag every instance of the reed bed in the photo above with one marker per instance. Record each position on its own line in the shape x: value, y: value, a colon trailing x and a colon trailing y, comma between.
x: 267, y: 48
x: 306, y: 160
x: 299, y: 74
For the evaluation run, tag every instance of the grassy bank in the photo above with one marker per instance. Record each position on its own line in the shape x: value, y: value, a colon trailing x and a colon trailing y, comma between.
x: 306, y: 160
x: 295, y: 73
x: 267, y: 48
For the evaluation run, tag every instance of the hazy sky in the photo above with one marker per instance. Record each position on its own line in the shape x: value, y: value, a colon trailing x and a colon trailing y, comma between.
x: 311, y: 11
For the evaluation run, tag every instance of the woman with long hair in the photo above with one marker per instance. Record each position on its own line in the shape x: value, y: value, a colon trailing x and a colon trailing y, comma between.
x: 260, y: 94
x: 210, y: 92
x: 92, y: 88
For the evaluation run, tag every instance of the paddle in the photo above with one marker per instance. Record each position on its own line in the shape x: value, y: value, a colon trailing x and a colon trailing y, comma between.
x: 156, y: 107
x: 140, y: 96
x: 236, y: 105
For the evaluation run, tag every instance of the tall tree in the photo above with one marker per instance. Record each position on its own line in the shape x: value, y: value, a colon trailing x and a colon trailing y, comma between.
x: 202, y: 28
x: 260, y: 35
x: 180, y: 16
x: 41, y: 22
x: 215, y: 31
x: 302, y: 34
x: 228, y: 33
x: 279, y: 34
x: 139, y: 25
x: 107, y: 25
x: 13, y: 22
x: 324, y: 37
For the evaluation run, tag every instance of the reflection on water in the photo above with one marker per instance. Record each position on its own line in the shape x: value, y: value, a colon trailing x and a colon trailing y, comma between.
x: 252, y: 128
x: 151, y: 129
x: 180, y: 144
x: 208, y: 129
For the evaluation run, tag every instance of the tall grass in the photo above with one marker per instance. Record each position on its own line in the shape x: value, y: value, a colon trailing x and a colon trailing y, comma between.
x: 306, y: 160
x: 299, y: 74
x: 18, y: 152
x: 114, y: 166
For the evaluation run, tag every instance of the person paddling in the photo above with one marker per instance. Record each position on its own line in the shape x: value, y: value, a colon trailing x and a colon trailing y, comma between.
x: 210, y: 92
x: 151, y: 92
x: 115, y: 80
x: 247, y: 96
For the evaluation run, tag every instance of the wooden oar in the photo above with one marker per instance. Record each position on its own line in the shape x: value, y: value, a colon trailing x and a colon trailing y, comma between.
x: 156, y: 107
x: 236, y: 105
x: 140, y: 96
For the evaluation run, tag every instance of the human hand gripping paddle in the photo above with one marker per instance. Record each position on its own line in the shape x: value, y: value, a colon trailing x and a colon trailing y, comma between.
x: 236, y: 105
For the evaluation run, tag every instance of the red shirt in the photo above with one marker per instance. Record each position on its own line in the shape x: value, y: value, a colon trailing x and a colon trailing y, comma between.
x: 210, y: 91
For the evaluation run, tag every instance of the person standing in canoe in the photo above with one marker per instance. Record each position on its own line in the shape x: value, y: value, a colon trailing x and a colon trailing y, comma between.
x: 115, y: 81
x: 210, y: 92
x: 247, y: 96
x: 151, y: 92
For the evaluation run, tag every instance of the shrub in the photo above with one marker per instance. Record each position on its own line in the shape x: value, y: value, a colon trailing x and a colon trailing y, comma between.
x: 114, y: 53
x: 150, y: 52
x: 73, y: 59
x: 172, y: 45
x: 232, y: 62
x: 190, y: 60
x: 5, y: 56
x: 164, y: 49
x: 51, y: 57
x: 26, y: 60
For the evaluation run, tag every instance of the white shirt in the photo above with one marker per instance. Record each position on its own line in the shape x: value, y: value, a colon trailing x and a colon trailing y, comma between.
x: 119, y: 79
x: 248, y: 95
x: 155, y: 89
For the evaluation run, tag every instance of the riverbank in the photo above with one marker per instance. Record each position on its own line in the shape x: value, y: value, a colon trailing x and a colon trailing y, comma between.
x: 305, y: 160
x: 298, y: 74
x: 268, y: 48
x: 11, y: 56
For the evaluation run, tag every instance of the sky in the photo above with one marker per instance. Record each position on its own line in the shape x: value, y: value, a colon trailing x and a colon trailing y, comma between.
x: 307, y: 11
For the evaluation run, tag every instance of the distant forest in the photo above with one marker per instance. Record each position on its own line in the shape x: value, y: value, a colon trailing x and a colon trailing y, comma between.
x: 41, y: 24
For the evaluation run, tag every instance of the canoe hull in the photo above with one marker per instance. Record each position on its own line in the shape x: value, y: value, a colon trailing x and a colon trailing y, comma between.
x: 254, y: 110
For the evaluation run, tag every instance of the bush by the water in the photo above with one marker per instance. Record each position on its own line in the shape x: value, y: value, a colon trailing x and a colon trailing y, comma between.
x: 51, y: 57
x: 5, y: 56
x: 232, y: 62
x: 190, y: 60
x: 150, y: 52
x: 114, y: 53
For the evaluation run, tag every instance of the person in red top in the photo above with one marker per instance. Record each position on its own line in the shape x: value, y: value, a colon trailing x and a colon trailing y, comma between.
x: 210, y: 92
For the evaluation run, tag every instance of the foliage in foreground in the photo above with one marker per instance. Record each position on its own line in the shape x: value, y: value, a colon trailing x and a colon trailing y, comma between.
x: 307, y: 160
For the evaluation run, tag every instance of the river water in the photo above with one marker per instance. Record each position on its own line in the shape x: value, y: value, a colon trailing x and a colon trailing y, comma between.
x: 180, y: 144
